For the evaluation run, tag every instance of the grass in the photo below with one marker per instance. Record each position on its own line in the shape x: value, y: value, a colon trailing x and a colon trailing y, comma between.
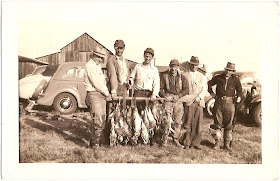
x: 44, y: 139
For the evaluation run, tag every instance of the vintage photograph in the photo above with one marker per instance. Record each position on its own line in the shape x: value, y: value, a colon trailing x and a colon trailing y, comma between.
x: 143, y: 83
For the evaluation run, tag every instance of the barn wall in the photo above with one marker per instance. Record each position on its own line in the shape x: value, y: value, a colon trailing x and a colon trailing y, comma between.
x: 52, y: 59
x: 26, y: 68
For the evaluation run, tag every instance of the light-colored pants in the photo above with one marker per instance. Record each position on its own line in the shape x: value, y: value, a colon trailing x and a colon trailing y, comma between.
x: 97, y: 105
x: 177, y: 111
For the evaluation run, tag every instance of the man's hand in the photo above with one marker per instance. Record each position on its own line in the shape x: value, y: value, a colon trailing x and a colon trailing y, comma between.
x: 213, y: 95
x: 175, y: 98
x: 197, y: 99
x: 238, y: 99
x: 108, y: 98
x: 114, y: 95
x: 153, y: 97
x: 169, y: 98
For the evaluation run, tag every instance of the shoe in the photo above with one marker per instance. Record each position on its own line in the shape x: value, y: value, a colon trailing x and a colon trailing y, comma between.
x: 197, y: 147
x: 164, y: 143
x: 226, y: 145
x: 217, y: 145
x: 177, y: 143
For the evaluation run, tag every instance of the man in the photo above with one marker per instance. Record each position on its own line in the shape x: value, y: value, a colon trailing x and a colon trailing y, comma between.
x: 193, y: 117
x: 97, y: 92
x: 145, y: 77
x: 228, y: 87
x: 173, y: 86
x: 117, y: 69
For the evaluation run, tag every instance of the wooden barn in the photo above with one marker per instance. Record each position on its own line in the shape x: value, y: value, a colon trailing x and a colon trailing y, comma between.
x: 76, y: 51
x: 27, y: 65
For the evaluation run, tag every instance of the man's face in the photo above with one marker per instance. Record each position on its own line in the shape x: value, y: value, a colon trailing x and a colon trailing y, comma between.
x: 98, y: 60
x: 193, y: 67
x: 148, y: 58
x: 173, y: 69
x: 228, y: 73
x: 119, y: 51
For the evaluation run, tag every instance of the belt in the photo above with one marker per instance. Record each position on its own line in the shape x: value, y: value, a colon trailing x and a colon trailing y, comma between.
x: 225, y: 98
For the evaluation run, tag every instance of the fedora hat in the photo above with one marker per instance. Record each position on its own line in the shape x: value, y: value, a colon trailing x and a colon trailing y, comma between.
x: 149, y: 50
x: 230, y: 66
x: 194, y: 60
x: 174, y: 62
x: 99, y: 52
x: 119, y: 43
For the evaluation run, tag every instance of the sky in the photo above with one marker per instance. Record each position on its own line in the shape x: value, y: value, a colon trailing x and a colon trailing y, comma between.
x: 216, y: 32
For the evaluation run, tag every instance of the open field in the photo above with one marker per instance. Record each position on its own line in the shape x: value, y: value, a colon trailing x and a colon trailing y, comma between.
x: 44, y: 138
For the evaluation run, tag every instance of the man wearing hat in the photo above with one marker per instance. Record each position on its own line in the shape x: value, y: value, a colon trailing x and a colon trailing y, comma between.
x: 173, y: 85
x: 118, y: 69
x: 193, y: 113
x: 228, y: 87
x: 97, y: 92
x: 145, y: 78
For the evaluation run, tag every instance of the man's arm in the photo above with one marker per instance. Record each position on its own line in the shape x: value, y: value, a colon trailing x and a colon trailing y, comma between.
x: 211, y: 83
x: 97, y: 83
x: 156, y: 84
x: 238, y: 87
x: 112, y: 76
x: 185, y: 86
x: 162, y: 85
x: 203, y: 92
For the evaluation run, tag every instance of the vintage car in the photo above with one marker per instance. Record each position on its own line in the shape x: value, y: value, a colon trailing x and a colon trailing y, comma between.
x: 61, y: 86
x: 251, y: 95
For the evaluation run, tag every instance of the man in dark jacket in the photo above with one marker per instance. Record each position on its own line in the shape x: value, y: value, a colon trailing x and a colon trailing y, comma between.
x: 118, y: 69
x: 173, y: 85
x: 228, y: 87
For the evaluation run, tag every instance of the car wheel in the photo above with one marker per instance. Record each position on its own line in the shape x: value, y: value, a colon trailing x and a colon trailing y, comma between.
x: 257, y: 114
x: 65, y: 103
x: 210, y: 106
x: 38, y: 90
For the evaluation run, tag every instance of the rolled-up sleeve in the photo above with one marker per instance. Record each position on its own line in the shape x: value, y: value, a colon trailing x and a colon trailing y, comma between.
x: 156, y: 83
x: 96, y: 81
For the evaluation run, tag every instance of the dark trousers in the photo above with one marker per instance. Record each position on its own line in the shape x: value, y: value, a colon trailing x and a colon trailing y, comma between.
x: 193, y: 120
x: 224, y: 113
x: 141, y: 104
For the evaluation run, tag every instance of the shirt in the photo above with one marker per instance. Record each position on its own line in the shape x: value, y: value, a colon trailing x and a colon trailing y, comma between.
x: 173, y: 85
x: 123, y: 73
x: 117, y: 71
x: 146, y: 78
x: 225, y: 87
x: 95, y: 79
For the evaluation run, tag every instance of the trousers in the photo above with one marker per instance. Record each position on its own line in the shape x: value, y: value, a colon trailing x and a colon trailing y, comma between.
x: 224, y: 111
x: 193, y: 120
x: 97, y: 105
x: 176, y: 110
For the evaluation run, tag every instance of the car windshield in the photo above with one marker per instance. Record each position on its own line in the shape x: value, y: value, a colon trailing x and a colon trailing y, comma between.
x: 50, y: 70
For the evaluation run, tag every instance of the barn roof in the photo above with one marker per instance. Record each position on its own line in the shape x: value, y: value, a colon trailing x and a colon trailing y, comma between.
x: 91, y: 38
x: 27, y: 59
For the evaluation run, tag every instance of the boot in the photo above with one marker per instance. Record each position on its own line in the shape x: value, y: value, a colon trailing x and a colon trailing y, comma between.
x: 227, y: 146
x: 217, y: 145
x: 175, y: 140
x: 164, y: 141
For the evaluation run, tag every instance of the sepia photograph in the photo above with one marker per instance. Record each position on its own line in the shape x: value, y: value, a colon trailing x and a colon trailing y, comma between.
x: 140, y: 90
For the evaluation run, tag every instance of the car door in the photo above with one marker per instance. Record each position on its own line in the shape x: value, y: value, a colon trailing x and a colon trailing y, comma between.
x: 81, y: 86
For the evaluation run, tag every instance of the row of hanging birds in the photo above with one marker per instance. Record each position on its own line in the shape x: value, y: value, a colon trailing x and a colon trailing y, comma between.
x: 127, y: 125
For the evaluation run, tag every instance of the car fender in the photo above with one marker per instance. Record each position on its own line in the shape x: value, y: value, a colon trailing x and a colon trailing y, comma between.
x: 256, y: 99
x: 49, y: 96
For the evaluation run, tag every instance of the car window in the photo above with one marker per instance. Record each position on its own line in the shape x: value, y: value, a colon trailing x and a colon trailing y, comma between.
x: 81, y: 73
x: 72, y: 72
x: 248, y: 80
x: 50, y: 70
